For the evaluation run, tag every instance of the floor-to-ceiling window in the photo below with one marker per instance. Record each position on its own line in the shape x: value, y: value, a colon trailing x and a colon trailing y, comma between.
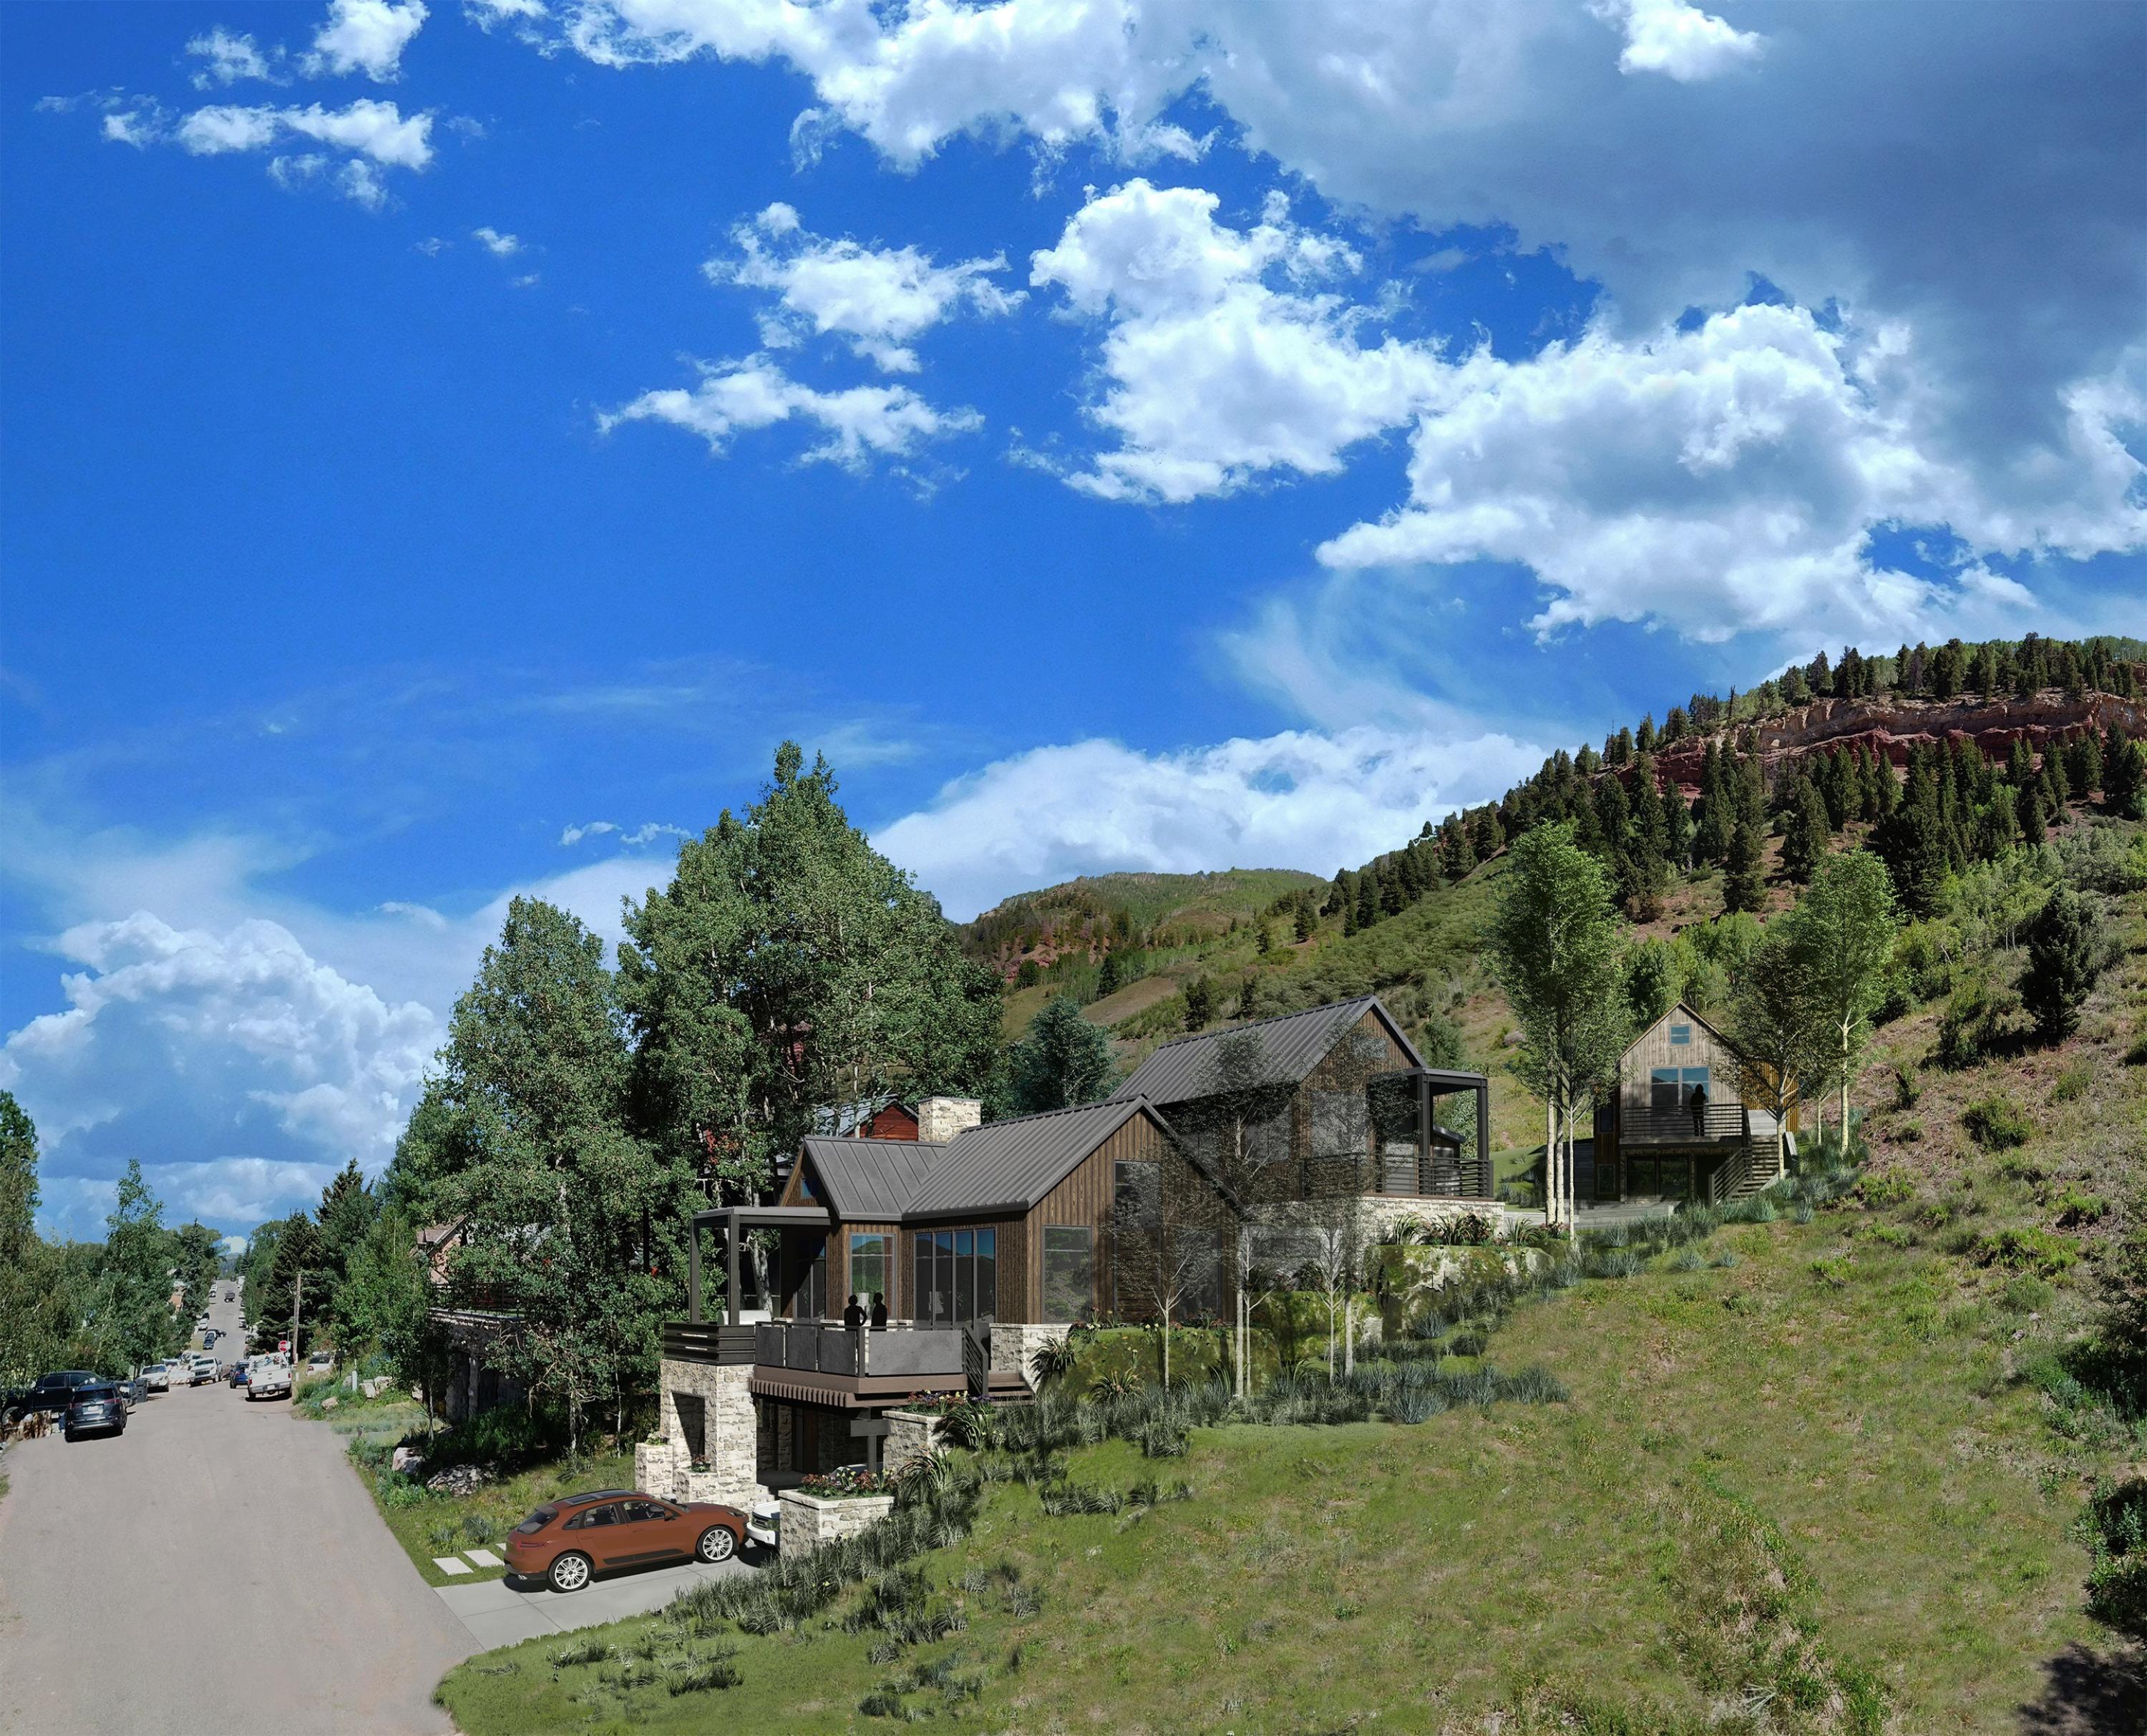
x: 1069, y: 1271
x: 957, y: 1277
x: 872, y: 1267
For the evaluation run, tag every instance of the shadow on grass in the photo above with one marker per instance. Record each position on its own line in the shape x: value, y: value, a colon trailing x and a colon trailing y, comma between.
x: 2089, y: 1694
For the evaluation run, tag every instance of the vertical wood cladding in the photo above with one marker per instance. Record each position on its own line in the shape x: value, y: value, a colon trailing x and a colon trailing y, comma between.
x: 1084, y: 1199
x: 1652, y: 1048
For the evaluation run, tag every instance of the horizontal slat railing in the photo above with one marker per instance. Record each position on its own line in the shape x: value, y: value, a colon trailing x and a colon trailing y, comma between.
x: 1680, y: 1127
x: 684, y: 1342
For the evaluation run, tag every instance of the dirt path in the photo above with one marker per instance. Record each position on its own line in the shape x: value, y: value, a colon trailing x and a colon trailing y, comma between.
x: 217, y: 1568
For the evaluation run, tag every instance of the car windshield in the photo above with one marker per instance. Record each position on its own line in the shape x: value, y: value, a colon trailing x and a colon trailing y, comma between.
x: 93, y: 1395
x: 538, y: 1520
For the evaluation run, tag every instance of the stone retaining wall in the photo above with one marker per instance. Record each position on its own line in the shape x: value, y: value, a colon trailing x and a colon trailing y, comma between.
x: 812, y: 1522
x: 1014, y: 1345
x: 729, y: 1436
x: 911, y: 1435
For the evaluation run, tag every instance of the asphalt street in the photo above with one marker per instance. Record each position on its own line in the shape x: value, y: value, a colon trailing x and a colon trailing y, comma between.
x: 215, y: 1568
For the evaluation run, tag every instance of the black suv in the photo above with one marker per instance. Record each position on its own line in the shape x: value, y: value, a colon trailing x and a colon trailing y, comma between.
x: 96, y: 1409
x: 53, y: 1393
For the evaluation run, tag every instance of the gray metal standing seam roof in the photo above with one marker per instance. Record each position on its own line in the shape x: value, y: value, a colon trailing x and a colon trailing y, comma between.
x: 1290, y: 1047
x: 869, y: 1179
x: 1015, y: 1163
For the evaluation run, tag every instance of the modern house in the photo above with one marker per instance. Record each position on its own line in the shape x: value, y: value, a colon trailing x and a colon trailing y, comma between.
x: 985, y: 1241
x: 1676, y: 1126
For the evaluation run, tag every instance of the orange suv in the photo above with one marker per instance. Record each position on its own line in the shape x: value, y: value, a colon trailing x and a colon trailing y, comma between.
x: 568, y: 1542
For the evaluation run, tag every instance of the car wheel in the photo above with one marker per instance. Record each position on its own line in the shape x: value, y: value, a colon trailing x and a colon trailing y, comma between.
x: 570, y: 1572
x: 717, y: 1544
x: 69, y: 1435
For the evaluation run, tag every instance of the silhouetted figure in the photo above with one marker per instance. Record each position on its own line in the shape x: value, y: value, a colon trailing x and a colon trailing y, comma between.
x: 854, y: 1315
x: 878, y: 1312
x: 1698, y: 1110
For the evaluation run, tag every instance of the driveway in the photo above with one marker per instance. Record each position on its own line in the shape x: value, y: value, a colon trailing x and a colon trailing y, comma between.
x: 217, y: 1568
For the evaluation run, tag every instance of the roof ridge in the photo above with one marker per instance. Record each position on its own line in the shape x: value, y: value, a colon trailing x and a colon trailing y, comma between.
x: 1272, y: 1018
x: 1101, y: 1102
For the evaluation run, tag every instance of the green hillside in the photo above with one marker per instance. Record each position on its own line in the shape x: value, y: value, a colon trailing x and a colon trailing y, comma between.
x: 1824, y: 1468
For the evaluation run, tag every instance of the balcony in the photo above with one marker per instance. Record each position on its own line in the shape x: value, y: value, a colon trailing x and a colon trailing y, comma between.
x: 818, y: 1362
x: 1718, y: 1124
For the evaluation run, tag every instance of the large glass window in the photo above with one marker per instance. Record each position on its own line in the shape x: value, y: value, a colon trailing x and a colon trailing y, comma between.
x: 1137, y: 1189
x: 1069, y: 1271
x: 1671, y: 1088
x: 957, y: 1274
x: 870, y: 1262
x: 1341, y: 1124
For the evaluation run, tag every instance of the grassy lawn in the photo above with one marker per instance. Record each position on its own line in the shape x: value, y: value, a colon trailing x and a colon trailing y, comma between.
x: 1809, y: 1467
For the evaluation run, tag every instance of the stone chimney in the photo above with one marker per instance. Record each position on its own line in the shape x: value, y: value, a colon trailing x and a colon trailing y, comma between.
x: 939, y: 1119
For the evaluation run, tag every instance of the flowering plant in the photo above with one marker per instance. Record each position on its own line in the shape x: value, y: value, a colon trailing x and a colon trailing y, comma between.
x: 847, y: 1480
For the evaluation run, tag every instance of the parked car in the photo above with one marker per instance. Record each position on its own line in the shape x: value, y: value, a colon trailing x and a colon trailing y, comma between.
x: 95, y: 1409
x: 238, y: 1373
x: 132, y: 1392
x: 569, y: 1542
x: 52, y: 1393
x: 764, y: 1524
x: 209, y: 1339
x: 200, y: 1370
x: 157, y: 1378
x: 230, y: 1295
x: 267, y: 1376
x: 321, y: 1362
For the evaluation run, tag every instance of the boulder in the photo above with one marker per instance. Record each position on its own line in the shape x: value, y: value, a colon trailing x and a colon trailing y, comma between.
x: 407, y: 1458
x: 458, y: 1480
x: 330, y: 1402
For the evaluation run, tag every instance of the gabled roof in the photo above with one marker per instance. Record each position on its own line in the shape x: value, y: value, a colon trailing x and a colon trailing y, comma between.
x: 1290, y: 1047
x: 1011, y: 1165
x: 865, y: 1179
x: 1676, y: 1008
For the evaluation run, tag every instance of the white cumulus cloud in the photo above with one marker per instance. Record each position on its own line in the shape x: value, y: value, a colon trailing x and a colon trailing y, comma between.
x: 1678, y: 39
x: 858, y: 423
x: 878, y: 299
x: 501, y: 246
x: 1300, y: 799
x: 365, y: 35
x: 1226, y: 357
x: 225, y: 58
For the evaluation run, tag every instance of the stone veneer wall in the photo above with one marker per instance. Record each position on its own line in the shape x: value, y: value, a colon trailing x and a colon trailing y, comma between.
x: 911, y: 1435
x: 730, y: 1437
x: 812, y: 1522
x: 1014, y: 1345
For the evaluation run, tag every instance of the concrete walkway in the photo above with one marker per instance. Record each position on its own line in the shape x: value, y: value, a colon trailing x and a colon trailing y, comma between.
x: 504, y: 1612
x: 217, y: 1568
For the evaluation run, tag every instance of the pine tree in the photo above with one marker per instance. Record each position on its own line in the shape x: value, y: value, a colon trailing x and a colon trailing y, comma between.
x: 1711, y: 828
x: 1062, y: 1060
x: 1308, y: 919
x: 1199, y: 1004
x: 2083, y: 766
x: 2125, y: 776
x: 1804, y: 836
x: 2064, y: 960
x: 1677, y: 829
x: 1110, y: 977
x: 2029, y: 808
x: 1488, y: 836
x: 1911, y: 841
x: 1742, y: 888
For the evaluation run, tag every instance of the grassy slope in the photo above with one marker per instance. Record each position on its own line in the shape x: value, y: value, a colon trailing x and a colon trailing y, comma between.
x: 1863, y: 1383
x: 1454, y: 1563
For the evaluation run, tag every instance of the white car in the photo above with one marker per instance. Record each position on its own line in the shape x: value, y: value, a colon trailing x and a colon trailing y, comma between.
x: 320, y: 1361
x: 763, y: 1521
x: 267, y: 1376
x: 157, y: 1376
x: 201, y: 1368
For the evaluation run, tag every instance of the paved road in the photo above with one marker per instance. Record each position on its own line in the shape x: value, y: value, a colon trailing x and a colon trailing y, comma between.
x: 216, y: 1568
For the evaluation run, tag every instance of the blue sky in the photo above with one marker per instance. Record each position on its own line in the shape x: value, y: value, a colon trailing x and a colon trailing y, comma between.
x: 446, y: 450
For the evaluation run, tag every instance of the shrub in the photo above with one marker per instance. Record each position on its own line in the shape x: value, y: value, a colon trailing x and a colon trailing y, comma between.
x: 1907, y: 1088
x: 1883, y: 1193
x: 2117, y: 1583
x: 2029, y: 1250
x: 1996, y: 1124
x: 504, y: 1438
x: 2072, y: 1082
x: 1969, y: 1029
x: 2074, y: 1206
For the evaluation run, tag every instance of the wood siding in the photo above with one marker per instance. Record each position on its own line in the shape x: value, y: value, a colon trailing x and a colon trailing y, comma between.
x: 1652, y: 1048
x: 1084, y: 1199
